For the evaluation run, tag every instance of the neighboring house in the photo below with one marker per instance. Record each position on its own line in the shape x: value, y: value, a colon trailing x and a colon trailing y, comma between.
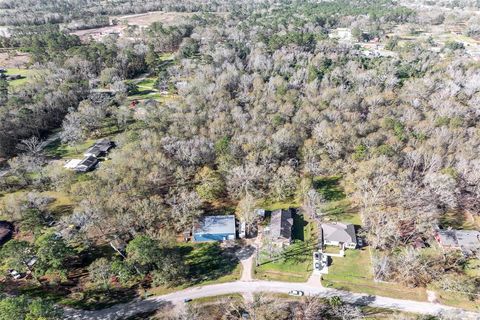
x: 468, y: 241
x: 215, y: 228
x: 99, y: 149
x: 339, y: 234
x: 6, y: 231
x: 280, y: 228
x: 86, y: 164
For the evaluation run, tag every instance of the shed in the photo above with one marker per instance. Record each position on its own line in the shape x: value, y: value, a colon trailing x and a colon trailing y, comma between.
x: 215, y: 228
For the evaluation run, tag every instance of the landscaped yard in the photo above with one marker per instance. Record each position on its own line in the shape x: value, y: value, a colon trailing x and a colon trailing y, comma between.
x: 354, y: 273
x: 294, y: 263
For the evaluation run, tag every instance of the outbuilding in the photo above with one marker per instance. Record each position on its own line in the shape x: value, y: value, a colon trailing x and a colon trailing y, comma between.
x: 215, y: 228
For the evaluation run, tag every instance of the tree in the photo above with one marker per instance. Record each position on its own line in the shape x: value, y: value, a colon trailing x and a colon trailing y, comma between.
x: 22, y: 308
x: 72, y: 129
x: 144, y: 252
x: 3, y: 91
x: 16, y: 254
x: 246, y: 210
x: 52, y: 253
x: 211, y: 185
x: 100, y: 272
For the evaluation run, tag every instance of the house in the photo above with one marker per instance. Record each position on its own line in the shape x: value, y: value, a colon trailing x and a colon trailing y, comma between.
x: 280, y: 228
x: 215, y: 228
x: 339, y: 234
x: 6, y: 231
x: 86, y: 164
x: 468, y: 241
x: 99, y: 149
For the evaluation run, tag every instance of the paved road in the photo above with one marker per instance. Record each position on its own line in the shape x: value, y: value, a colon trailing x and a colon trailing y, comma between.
x: 176, y: 298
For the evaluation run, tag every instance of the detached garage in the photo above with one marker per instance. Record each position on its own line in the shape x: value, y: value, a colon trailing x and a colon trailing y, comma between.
x: 215, y: 228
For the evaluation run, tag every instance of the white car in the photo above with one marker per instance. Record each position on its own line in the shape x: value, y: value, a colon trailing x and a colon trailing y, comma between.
x: 296, y: 293
x: 15, y: 274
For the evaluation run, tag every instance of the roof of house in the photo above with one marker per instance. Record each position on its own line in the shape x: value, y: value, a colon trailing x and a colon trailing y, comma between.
x: 447, y: 238
x: 464, y: 239
x: 469, y: 239
x: 87, y: 163
x: 339, y: 232
x: 99, y: 147
x: 281, y: 224
x: 6, y: 230
x: 215, y: 225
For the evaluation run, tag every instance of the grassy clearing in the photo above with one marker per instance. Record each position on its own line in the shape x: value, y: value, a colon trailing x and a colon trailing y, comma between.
x: 294, y: 263
x: 58, y: 149
x: 458, y: 300
x: 208, y: 264
x: 25, y: 73
x: 354, y: 273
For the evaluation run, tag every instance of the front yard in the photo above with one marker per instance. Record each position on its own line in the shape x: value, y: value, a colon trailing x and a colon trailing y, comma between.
x: 354, y: 273
x: 294, y: 263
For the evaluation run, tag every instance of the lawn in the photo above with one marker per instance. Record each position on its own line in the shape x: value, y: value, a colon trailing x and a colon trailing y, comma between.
x: 208, y: 264
x: 294, y: 263
x: 354, y: 273
x: 337, y: 207
x: 26, y: 73
x: 58, y: 149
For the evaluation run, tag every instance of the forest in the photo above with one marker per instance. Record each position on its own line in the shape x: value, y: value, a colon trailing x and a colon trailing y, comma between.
x: 259, y: 102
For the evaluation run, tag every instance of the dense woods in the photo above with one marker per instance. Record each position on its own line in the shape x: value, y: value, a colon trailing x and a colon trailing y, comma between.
x: 265, y: 101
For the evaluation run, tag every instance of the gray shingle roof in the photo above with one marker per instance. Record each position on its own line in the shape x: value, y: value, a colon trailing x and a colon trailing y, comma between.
x: 339, y: 232
x: 281, y: 224
x: 467, y: 240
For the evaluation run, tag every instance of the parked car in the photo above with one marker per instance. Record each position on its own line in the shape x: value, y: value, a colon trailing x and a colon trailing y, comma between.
x: 325, y: 259
x: 186, y: 300
x: 295, y: 293
x: 360, y: 242
x: 15, y: 274
x: 317, y: 255
x: 318, y: 266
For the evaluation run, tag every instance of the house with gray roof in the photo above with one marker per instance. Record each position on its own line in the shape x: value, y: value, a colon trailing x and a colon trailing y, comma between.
x: 280, y: 228
x: 99, y: 149
x: 468, y: 241
x: 339, y: 234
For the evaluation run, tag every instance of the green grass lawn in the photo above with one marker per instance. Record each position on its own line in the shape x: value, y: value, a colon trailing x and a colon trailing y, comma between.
x: 58, y: 149
x: 294, y: 264
x: 354, y: 273
x: 26, y: 73
x: 208, y: 264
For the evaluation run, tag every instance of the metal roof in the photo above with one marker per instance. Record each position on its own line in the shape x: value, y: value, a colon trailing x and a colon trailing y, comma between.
x: 216, y: 225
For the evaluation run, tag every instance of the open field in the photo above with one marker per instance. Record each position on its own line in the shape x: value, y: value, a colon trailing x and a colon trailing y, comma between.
x: 14, y: 59
x: 142, y: 20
